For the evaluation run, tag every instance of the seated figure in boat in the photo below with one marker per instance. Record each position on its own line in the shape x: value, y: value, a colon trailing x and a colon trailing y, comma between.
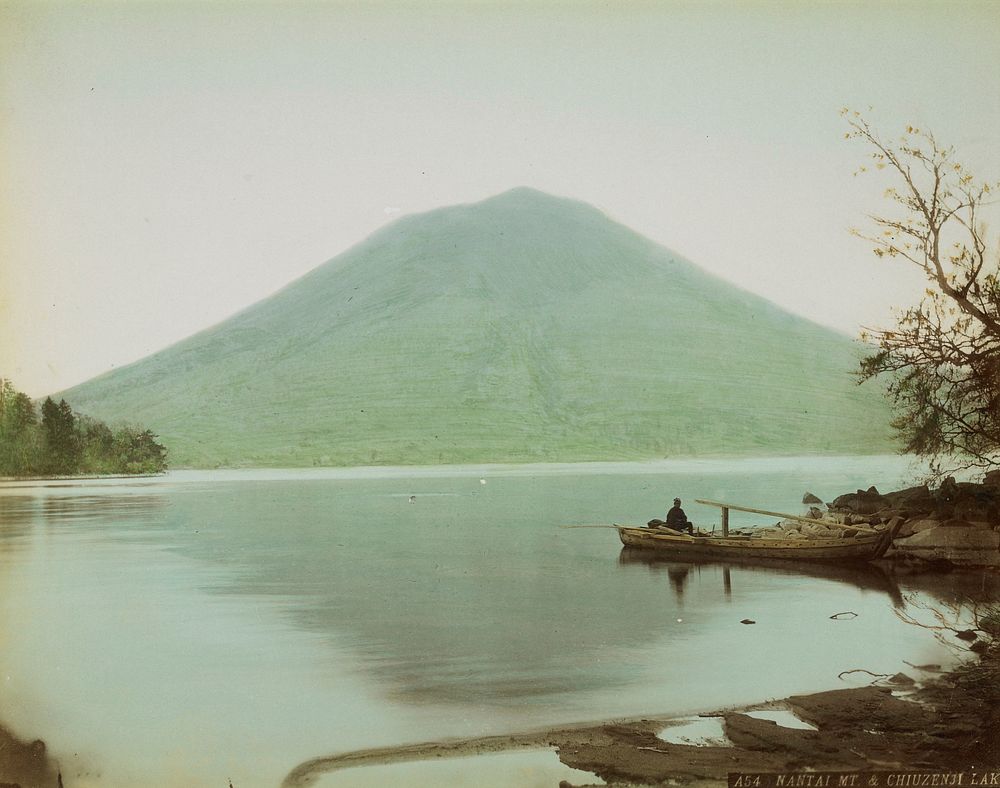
x: 677, y: 520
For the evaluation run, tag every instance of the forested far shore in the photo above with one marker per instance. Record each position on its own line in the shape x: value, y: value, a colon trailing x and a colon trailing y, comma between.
x: 63, y: 443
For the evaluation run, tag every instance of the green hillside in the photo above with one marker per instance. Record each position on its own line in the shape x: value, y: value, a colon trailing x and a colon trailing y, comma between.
x: 521, y: 328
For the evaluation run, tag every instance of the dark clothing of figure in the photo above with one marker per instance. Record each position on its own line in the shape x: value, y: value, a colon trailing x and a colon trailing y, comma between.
x: 677, y: 520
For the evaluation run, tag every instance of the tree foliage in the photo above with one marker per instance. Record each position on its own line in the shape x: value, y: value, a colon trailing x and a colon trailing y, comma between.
x: 65, y: 443
x: 942, y: 359
x: 62, y: 443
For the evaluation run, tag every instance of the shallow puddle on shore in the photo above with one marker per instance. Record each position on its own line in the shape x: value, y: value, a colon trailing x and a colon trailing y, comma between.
x: 697, y: 731
x: 710, y: 731
x: 523, y: 768
x: 784, y: 718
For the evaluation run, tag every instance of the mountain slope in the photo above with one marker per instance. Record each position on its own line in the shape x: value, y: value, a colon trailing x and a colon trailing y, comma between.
x: 524, y: 327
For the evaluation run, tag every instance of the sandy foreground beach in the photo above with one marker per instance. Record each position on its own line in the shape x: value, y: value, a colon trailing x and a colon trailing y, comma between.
x: 940, y: 723
x: 946, y: 722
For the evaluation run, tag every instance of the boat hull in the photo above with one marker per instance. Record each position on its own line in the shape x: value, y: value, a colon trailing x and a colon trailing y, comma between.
x: 682, y: 547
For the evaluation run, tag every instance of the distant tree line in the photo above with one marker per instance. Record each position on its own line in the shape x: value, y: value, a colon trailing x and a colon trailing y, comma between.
x: 62, y: 442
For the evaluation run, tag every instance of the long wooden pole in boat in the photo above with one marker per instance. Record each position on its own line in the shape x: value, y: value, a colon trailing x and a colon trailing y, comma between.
x: 727, y: 506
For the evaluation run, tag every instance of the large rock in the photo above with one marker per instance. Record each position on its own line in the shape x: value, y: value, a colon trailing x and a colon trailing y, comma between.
x: 967, y: 501
x: 911, y: 527
x: 981, y: 507
x: 836, y: 517
x: 960, y: 544
x: 810, y: 498
x: 915, y: 500
x: 861, y: 502
x: 956, y: 522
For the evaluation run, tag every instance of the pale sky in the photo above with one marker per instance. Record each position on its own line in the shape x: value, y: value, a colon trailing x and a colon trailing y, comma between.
x: 163, y: 165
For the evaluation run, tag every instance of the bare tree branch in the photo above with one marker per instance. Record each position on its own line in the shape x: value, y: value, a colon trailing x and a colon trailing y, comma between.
x: 942, y: 360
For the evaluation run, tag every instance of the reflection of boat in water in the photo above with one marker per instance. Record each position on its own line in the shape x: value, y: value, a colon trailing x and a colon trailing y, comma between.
x: 868, y: 577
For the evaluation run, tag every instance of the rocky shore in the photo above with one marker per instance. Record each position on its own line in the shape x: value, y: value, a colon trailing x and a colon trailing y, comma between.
x: 956, y: 524
x: 950, y: 723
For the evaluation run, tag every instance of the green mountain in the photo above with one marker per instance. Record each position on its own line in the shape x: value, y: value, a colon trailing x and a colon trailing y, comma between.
x: 521, y: 328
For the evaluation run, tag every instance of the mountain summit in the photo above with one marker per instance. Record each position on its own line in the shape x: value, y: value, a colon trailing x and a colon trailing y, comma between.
x: 522, y: 328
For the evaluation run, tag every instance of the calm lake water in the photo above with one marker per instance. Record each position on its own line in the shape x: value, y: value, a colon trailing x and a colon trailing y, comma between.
x: 202, y: 627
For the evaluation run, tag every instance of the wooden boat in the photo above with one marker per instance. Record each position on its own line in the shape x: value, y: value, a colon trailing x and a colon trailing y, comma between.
x: 864, y: 545
x: 747, y: 548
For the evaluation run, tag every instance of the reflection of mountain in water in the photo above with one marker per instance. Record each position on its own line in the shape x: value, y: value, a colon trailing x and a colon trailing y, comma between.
x: 458, y: 600
x: 471, y: 598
